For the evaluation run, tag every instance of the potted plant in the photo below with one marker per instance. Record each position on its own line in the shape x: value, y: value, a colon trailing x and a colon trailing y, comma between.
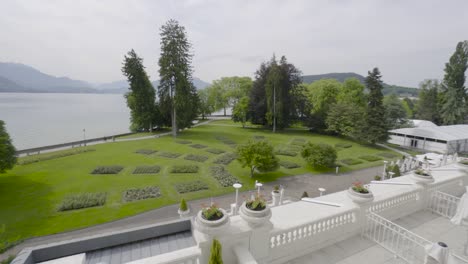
x: 211, y: 219
x: 183, y: 209
x: 360, y: 194
x: 276, y: 195
x: 255, y: 211
x: 422, y: 176
x: 377, y: 178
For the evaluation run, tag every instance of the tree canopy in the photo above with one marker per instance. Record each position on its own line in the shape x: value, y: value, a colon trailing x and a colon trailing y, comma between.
x: 7, y: 150
x: 257, y: 155
x: 319, y: 155
x: 376, y: 127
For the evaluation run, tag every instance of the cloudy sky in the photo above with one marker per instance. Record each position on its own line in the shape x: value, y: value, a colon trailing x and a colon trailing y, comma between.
x: 408, y: 40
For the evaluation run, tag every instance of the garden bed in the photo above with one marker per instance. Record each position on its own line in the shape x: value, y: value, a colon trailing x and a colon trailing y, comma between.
x: 194, y: 186
x: 184, y: 169
x: 145, y: 151
x: 115, y: 169
x: 223, y: 176
x: 350, y: 162
x: 387, y: 155
x: 135, y: 194
x: 33, y: 159
x: 198, y: 146
x: 288, y: 164
x: 370, y: 158
x: 286, y: 152
x: 82, y: 200
x: 215, y: 151
x: 147, y: 169
x: 170, y: 155
x: 198, y: 158
x: 225, y: 159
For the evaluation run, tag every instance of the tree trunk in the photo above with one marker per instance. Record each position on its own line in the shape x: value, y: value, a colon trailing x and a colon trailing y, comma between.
x: 174, y: 123
x: 252, y: 169
x: 224, y: 111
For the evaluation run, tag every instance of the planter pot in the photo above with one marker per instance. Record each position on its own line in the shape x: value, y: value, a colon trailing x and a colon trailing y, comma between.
x: 360, y: 198
x: 212, y: 227
x: 183, y: 214
x: 255, y: 218
x: 421, y: 179
x: 276, y: 198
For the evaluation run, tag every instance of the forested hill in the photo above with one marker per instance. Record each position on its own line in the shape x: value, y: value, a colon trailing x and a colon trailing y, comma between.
x: 388, y: 89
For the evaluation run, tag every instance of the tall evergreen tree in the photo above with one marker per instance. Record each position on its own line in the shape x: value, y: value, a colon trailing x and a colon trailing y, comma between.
x: 141, y: 97
x: 376, y: 127
x: 257, y: 102
x: 7, y: 150
x: 427, y: 107
x: 454, y: 98
x: 177, y: 94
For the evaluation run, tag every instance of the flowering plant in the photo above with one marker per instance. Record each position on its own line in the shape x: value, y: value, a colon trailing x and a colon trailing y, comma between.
x: 212, y: 212
x: 422, y: 172
x: 256, y: 204
x: 358, y: 187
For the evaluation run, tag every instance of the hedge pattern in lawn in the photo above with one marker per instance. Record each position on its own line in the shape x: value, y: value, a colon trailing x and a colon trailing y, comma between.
x: 286, y: 152
x: 370, y: 158
x: 147, y: 169
x: 350, y: 161
x: 215, y: 151
x: 107, y: 169
x: 198, y: 146
x: 191, y: 186
x: 184, y: 169
x: 82, y: 200
x: 135, y: 194
x: 298, y: 141
x: 288, y: 164
x: 34, y: 159
x: 225, y: 140
x: 184, y: 142
x: 145, y: 151
x: 223, y: 176
x: 198, y: 158
x: 225, y: 159
x: 343, y: 145
x: 170, y: 155
x: 387, y: 155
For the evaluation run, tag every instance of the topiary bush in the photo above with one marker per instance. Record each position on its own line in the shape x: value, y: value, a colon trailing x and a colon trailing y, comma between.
x: 319, y: 155
x: 350, y: 161
x: 224, y: 178
x: 135, y: 194
x: 170, y: 155
x: 183, y: 205
x: 145, y: 151
x: 194, y: 186
x: 184, y: 169
x: 215, y: 151
x: 216, y: 256
x: 198, y: 158
x: 225, y: 159
x: 147, y: 169
x: 370, y: 158
x: 198, y: 146
x: 115, y: 169
x: 288, y: 164
x: 82, y: 200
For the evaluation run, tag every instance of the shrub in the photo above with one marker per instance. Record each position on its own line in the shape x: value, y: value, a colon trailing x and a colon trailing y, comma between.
x: 343, y: 145
x: 350, y: 161
x: 319, y: 155
x: 145, y: 151
x: 199, y: 158
x: 370, y: 158
x: 107, y: 169
x: 257, y: 204
x: 216, y: 256
x: 288, y: 164
x: 286, y: 152
x: 198, y: 146
x: 225, y: 159
x: 82, y: 200
x: 304, y: 194
x: 464, y: 162
x: 377, y: 178
x: 33, y: 159
x: 215, y: 151
x: 183, y: 205
x: 224, y: 178
x: 387, y: 155
x: 170, y: 155
x: 212, y: 213
x: 194, y: 186
x: 184, y: 142
x: 395, y: 169
x: 184, y: 169
x: 147, y: 169
x: 135, y: 194
x: 257, y: 155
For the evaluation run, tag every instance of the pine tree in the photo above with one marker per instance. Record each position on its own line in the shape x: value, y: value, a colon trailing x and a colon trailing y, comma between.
x: 177, y: 94
x: 141, y: 97
x: 216, y: 256
x: 7, y: 150
x: 375, y: 126
x: 454, y: 97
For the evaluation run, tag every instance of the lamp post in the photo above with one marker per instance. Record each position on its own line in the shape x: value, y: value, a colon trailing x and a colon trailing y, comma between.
x: 384, y: 169
x: 258, y: 185
x: 84, y: 137
x: 391, y: 174
x: 237, y: 186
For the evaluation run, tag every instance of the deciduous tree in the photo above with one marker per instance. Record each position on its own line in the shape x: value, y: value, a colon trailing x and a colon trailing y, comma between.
x: 395, y: 113
x: 319, y: 155
x: 257, y: 155
x: 427, y: 107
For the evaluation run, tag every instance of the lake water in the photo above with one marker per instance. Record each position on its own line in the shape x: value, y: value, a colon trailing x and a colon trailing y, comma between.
x: 35, y: 120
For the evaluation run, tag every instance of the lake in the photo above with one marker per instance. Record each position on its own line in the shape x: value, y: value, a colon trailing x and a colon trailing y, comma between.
x: 35, y: 119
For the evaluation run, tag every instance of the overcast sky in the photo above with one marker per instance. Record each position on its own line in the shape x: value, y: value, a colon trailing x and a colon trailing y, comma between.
x: 408, y: 40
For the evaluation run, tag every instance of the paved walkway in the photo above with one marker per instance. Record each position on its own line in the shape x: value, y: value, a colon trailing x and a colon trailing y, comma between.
x: 294, y: 187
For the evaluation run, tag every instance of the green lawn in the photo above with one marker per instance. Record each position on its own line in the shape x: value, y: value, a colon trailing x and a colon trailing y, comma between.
x: 30, y: 194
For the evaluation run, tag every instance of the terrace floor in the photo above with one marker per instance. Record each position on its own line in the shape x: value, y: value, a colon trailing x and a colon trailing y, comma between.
x: 361, y: 250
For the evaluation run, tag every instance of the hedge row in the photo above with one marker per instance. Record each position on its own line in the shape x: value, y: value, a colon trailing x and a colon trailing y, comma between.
x: 191, y: 186
x: 82, y: 200
x: 135, y: 194
x: 215, y: 151
x: 170, y: 155
x: 34, y: 159
x: 223, y: 176
x: 198, y: 146
x: 107, y: 169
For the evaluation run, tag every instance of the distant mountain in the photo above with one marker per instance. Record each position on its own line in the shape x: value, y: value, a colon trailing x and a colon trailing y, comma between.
x: 32, y: 79
x: 388, y: 89
x: 121, y: 87
x: 8, y: 86
x: 200, y: 84
x: 113, y: 85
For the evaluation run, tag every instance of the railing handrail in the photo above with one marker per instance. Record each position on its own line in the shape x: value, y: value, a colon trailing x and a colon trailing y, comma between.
x: 447, y: 195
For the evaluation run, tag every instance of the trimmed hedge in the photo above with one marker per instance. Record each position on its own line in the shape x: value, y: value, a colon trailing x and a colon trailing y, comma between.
x: 370, y: 158
x: 184, y: 142
x: 343, y: 145
x: 184, y: 169
x: 107, y: 169
x: 387, y: 155
x: 223, y: 176
x: 225, y: 159
x: 350, y: 161
x: 82, y: 200
x: 215, y: 151
x: 198, y: 146
x: 145, y: 151
x: 198, y: 158
x: 286, y: 152
x: 288, y: 164
x: 135, y: 194
x: 191, y: 186
x: 147, y: 169
x: 170, y: 155
x: 32, y: 159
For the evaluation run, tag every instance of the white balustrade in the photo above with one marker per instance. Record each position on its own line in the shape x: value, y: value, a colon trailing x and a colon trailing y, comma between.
x: 405, y: 202
x: 443, y: 204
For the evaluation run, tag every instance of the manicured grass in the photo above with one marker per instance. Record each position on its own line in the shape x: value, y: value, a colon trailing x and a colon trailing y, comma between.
x: 30, y: 194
